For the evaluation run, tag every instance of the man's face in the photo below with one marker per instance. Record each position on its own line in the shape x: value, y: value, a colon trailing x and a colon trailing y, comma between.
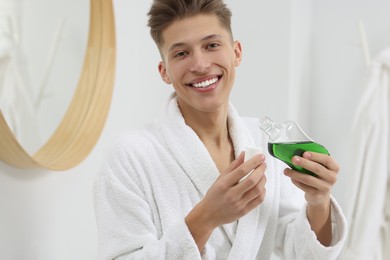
x: 199, y: 60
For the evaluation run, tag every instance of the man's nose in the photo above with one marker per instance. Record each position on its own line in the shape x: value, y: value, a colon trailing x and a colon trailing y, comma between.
x: 199, y: 62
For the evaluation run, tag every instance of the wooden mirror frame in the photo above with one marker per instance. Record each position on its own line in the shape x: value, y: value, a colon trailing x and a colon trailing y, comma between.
x: 84, y: 120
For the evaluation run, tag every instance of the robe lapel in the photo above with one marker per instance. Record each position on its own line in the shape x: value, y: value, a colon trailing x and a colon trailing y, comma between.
x: 251, y: 228
x: 193, y: 156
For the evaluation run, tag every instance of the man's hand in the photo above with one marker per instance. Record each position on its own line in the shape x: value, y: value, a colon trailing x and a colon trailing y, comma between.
x: 228, y: 199
x: 317, y: 190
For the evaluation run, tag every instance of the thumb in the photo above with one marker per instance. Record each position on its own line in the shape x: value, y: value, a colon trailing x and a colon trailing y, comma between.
x: 237, y: 162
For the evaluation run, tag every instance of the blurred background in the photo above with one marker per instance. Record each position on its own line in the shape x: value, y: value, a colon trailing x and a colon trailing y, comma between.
x: 303, y: 60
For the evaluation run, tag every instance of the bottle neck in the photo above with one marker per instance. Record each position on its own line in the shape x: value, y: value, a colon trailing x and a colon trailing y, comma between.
x: 287, y: 131
x: 272, y: 129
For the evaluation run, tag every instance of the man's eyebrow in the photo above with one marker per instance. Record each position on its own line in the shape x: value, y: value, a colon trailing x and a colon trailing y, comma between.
x: 208, y: 37
x: 176, y: 45
x: 212, y: 36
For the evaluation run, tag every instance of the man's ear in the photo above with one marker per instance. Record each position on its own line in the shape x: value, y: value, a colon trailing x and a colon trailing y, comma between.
x: 237, y: 53
x: 163, y: 73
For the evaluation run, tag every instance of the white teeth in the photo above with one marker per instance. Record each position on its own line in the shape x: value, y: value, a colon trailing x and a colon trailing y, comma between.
x: 205, y: 84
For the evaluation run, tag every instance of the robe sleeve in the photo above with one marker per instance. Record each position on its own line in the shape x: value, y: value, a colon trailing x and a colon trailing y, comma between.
x: 126, y: 222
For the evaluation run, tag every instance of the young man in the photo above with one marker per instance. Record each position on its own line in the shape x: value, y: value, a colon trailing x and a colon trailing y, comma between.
x: 173, y: 189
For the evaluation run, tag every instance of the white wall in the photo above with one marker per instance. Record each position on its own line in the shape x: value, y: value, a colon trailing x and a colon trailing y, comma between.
x: 339, y: 73
x: 49, y: 215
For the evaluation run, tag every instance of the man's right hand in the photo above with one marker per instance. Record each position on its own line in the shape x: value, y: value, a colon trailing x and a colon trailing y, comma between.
x: 228, y: 199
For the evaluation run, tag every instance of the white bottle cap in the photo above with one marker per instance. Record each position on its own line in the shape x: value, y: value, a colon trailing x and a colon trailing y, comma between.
x: 249, y: 153
x: 252, y: 151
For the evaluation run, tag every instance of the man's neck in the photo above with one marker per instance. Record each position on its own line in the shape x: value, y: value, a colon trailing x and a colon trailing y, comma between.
x: 211, y: 127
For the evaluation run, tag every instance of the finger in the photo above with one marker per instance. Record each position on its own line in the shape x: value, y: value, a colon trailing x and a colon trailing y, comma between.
x: 326, y: 160
x: 306, y: 180
x: 255, y: 190
x: 252, y: 178
x: 237, y: 162
x: 316, y: 167
x: 244, y: 169
x: 305, y: 188
x: 310, y: 191
x: 256, y: 201
x: 255, y: 181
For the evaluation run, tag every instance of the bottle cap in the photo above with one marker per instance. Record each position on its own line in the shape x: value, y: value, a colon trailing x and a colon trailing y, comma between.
x: 252, y: 151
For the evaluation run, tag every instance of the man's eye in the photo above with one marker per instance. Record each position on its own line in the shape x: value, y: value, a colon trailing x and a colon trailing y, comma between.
x: 212, y: 45
x: 180, y: 54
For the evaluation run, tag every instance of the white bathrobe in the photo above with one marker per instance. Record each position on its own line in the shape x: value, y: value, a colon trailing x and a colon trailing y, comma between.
x: 154, y: 178
x: 369, y: 191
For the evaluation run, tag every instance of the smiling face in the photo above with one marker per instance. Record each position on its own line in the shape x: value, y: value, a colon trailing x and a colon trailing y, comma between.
x: 199, y: 60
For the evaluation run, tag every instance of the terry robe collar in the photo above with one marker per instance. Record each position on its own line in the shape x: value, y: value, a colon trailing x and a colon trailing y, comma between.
x: 247, y: 235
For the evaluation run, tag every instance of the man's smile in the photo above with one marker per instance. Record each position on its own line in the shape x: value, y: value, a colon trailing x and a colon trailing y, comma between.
x: 204, y: 83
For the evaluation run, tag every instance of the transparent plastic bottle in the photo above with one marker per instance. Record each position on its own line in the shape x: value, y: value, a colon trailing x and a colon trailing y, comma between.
x: 286, y: 140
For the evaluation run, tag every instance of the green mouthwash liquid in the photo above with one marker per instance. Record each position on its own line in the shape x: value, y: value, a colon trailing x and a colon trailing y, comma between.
x: 285, y: 152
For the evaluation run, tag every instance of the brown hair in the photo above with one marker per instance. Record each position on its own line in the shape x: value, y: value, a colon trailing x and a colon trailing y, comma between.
x: 164, y: 12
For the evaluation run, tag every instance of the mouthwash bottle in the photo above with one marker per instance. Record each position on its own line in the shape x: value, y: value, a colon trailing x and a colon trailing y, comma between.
x: 287, y: 140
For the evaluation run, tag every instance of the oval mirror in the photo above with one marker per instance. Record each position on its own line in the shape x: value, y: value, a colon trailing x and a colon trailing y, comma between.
x: 72, y: 129
x: 49, y: 47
